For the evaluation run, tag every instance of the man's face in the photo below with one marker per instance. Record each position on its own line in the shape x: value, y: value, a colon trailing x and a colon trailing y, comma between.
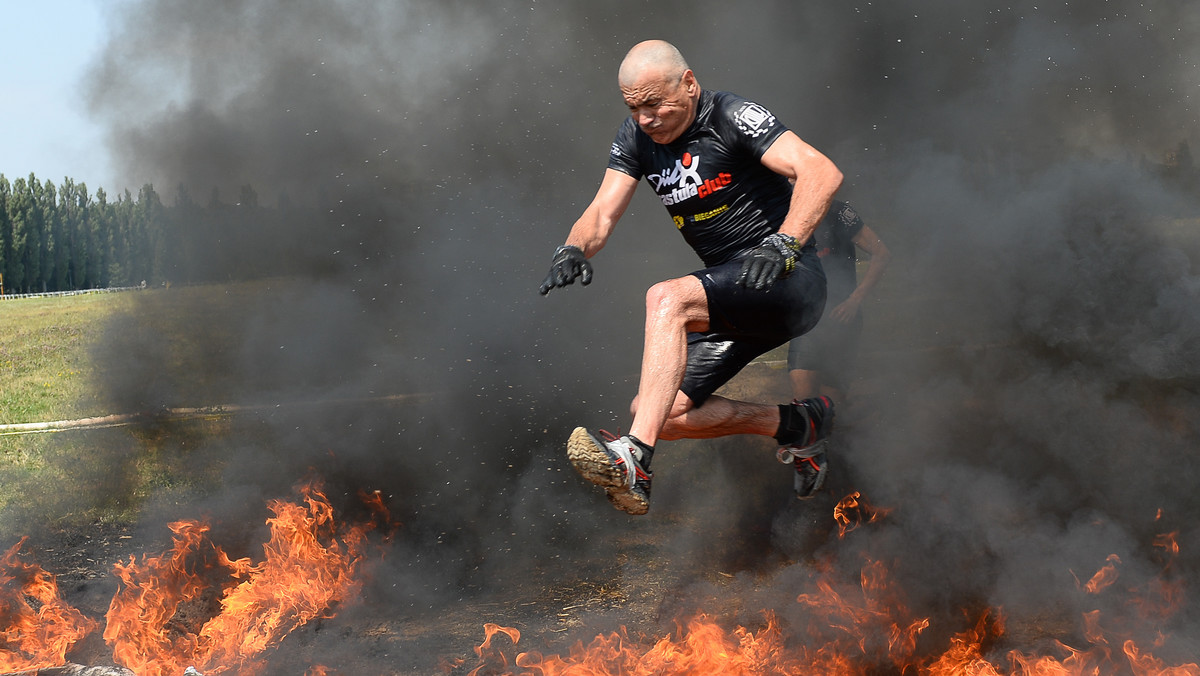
x: 662, y: 107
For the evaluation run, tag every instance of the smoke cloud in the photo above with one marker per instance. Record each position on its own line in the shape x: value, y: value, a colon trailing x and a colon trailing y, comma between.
x: 1029, y: 382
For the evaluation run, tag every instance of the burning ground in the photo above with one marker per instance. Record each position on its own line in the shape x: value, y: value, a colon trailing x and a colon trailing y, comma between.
x: 1024, y: 416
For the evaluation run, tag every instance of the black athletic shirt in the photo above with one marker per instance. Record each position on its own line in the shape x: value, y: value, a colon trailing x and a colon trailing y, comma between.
x: 835, y: 245
x: 721, y: 197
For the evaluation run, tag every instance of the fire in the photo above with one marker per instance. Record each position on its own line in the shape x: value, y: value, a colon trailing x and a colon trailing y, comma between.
x: 852, y: 511
x: 1105, y: 577
x: 35, y: 638
x: 193, y: 609
x: 871, y: 619
x: 857, y: 628
x: 706, y: 648
x: 703, y: 648
x: 308, y: 568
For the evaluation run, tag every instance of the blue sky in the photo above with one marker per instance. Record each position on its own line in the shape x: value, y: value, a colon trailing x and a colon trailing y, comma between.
x: 46, y: 47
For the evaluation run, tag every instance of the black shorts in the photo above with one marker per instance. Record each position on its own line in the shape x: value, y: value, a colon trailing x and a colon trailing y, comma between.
x: 746, y: 323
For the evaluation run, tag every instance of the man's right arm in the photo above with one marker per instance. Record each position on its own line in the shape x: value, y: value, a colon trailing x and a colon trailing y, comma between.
x: 594, y: 227
x: 590, y: 232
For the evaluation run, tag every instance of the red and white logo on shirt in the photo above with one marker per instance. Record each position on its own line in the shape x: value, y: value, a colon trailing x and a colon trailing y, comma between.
x: 687, y: 182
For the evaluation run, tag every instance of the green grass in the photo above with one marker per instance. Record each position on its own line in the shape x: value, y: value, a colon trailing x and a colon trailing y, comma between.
x: 45, y: 370
x: 51, y: 370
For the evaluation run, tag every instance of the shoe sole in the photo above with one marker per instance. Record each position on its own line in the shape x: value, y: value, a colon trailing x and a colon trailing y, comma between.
x: 592, y: 461
x: 822, y: 474
x: 628, y: 501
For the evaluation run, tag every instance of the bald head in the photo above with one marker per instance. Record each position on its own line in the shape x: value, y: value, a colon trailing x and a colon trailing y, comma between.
x: 653, y: 58
x: 660, y: 90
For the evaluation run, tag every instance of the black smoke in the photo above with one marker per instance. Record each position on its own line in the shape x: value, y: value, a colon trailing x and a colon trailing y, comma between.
x: 1032, y: 376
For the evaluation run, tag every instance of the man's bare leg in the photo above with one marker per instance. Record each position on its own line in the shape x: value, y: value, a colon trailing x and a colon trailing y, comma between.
x: 720, y: 417
x: 621, y: 466
x: 673, y: 308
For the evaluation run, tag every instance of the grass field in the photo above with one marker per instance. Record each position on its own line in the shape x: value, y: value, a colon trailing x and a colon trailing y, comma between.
x: 47, y: 374
x: 50, y: 370
x: 45, y: 370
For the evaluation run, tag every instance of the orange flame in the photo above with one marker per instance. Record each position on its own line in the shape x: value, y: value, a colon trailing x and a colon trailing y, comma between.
x: 704, y: 648
x: 35, y: 639
x: 869, y: 620
x: 855, y: 629
x: 1167, y: 542
x: 965, y: 654
x: 1105, y: 577
x: 490, y: 659
x: 853, y: 511
x: 306, y: 570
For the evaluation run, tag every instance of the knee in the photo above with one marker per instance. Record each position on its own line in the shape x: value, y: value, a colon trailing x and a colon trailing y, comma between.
x: 679, y: 407
x: 663, y: 299
x: 678, y: 424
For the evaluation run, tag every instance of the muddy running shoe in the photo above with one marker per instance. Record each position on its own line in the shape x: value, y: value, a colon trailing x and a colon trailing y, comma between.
x: 807, y: 424
x: 610, y: 462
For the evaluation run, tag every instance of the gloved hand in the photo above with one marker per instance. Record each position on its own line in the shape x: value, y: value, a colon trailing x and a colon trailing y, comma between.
x: 569, y: 263
x: 773, y: 259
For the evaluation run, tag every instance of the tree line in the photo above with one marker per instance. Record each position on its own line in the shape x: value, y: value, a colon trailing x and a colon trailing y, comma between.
x: 62, y: 238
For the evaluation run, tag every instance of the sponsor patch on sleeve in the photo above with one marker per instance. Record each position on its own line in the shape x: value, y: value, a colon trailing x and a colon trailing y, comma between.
x: 753, y: 120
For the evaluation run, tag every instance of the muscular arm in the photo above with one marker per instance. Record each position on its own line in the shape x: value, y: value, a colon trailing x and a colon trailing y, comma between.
x: 593, y: 228
x: 815, y: 180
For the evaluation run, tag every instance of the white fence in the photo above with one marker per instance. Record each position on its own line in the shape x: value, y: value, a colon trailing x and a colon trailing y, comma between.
x: 51, y: 294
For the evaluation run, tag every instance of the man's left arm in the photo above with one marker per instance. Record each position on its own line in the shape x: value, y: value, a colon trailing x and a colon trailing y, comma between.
x: 815, y: 179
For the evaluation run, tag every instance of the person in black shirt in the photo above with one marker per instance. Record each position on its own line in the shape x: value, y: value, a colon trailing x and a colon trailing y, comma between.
x: 822, y: 361
x: 746, y: 193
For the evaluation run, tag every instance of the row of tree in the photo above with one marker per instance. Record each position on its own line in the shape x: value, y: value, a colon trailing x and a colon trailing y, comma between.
x: 61, y: 238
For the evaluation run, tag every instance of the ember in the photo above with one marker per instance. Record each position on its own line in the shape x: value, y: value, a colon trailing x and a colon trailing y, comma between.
x: 853, y: 511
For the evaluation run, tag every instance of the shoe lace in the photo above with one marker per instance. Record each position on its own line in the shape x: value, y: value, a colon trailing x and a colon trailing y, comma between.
x: 637, y: 471
x: 803, y: 464
x: 609, y: 436
x: 788, y: 454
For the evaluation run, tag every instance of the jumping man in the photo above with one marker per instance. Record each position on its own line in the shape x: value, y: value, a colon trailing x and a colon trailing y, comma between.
x: 746, y: 193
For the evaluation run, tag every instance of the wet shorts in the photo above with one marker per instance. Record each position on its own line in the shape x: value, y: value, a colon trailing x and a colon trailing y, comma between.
x: 746, y: 323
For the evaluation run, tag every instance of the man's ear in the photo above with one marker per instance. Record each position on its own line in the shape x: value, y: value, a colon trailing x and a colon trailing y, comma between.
x: 689, y: 82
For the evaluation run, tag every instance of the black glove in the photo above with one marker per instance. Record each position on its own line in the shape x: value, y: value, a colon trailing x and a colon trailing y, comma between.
x: 569, y: 263
x: 773, y: 259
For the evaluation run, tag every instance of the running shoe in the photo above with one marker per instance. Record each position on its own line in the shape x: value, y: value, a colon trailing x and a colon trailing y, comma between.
x: 810, y: 470
x: 610, y: 461
x: 812, y: 420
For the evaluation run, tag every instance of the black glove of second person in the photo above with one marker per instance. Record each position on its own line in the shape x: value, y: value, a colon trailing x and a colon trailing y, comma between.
x: 774, y: 258
x: 568, y: 264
